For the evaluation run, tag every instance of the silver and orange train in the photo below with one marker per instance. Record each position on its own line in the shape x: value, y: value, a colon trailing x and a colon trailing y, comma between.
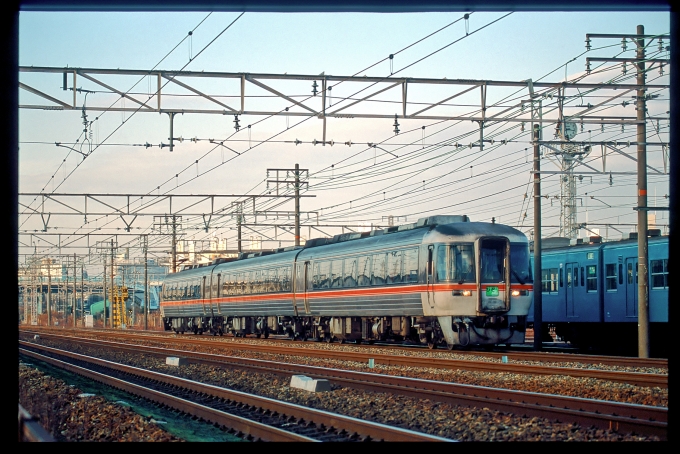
x: 440, y: 281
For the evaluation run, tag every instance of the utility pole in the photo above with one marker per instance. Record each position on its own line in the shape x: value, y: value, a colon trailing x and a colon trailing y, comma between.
x: 112, y: 289
x: 640, y: 62
x: 643, y: 253
x: 146, y: 283
x: 297, y: 172
x: 49, y: 292
x: 538, y: 295
x: 105, y: 248
x: 170, y: 222
x: 297, y: 204
x: 82, y: 292
x: 74, y: 290
x: 104, y: 293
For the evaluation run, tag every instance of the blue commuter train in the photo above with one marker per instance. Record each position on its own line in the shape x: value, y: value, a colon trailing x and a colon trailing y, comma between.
x: 440, y: 281
x: 590, y: 293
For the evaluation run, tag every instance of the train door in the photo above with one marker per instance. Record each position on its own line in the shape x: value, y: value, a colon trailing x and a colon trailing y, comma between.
x: 429, y: 275
x: 215, y: 295
x: 493, y: 285
x: 302, y: 283
x: 205, y: 292
x: 631, y: 287
x: 570, y: 284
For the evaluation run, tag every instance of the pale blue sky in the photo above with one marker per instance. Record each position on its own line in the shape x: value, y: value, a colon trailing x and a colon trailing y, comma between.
x: 518, y: 47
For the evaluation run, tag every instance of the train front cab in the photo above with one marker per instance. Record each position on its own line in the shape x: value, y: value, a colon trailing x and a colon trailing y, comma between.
x: 477, y: 298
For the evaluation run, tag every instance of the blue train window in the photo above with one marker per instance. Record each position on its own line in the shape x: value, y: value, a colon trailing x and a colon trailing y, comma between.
x: 591, y: 278
x: 561, y: 280
x: 659, y: 269
x: 583, y: 276
x: 630, y: 273
x: 620, y: 274
x: 576, y: 276
x: 549, y: 280
x: 611, y: 277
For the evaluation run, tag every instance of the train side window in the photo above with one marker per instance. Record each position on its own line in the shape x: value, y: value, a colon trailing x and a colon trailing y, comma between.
x: 225, y: 286
x: 630, y: 273
x: 324, y: 274
x: 249, y: 288
x: 610, y: 277
x: 284, y: 278
x: 394, y: 267
x: 549, y: 280
x: 315, y: 276
x: 364, y: 271
x: 576, y: 276
x: 583, y: 276
x: 561, y: 279
x: 569, y: 272
x: 659, y: 270
x: 336, y: 273
x: 378, y: 271
x: 411, y: 265
x: 350, y: 273
x: 620, y: 274
x: 591, y: 278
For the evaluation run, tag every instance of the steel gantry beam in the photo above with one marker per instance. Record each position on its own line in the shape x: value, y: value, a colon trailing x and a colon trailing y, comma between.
x: 304, y: 100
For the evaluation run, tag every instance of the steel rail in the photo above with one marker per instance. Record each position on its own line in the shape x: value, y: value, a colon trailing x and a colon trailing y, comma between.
x: 366, y: 430
x: 603, y: 414
x: 633, y: 378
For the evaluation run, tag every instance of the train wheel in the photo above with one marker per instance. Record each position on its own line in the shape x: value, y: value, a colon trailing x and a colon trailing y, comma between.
x: 220, y: 332
x: 358, y: 341
x: 450, y: 346
x: 431, y: 345
x: 328, y: 339
x: 266, y: 334
x: 259, y: 335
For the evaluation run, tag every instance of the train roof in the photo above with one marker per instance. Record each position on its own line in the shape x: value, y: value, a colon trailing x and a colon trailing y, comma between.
x: 560, y: 244
x: 395, y: 236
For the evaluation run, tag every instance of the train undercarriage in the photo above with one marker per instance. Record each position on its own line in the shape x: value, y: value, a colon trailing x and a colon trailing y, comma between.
x: 449, y: 332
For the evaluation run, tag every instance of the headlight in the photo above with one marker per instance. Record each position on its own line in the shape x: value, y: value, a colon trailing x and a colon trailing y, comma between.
x: 515, y: 293
x: 467, y: 292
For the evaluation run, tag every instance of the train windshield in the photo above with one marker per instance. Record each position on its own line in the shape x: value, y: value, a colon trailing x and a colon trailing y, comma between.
x: 520, y: 267
x: 492, y: 260
x: 456, y: 263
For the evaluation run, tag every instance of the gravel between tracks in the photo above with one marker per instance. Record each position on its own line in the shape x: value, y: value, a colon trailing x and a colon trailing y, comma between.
x: 459, y: 423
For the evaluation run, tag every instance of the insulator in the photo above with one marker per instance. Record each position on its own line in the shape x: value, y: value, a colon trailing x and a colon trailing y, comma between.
x: 314, y: 88
x: 396, y: 125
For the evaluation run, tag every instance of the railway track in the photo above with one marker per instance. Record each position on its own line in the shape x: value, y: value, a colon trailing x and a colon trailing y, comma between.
x: 633, y: 378
x: 251, y: 417
x: 495, y: 355
x: 646, y: 420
